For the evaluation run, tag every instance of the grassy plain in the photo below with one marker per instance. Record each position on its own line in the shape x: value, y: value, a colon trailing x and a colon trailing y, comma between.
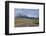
x: 24, y: 21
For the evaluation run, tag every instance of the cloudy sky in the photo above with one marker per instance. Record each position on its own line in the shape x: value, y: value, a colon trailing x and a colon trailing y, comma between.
x: 27, y: 12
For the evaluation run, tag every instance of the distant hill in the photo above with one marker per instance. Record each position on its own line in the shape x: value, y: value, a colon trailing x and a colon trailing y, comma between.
x: 28, y: 17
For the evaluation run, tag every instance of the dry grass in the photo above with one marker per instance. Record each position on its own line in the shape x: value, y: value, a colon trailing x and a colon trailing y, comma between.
x: 22, y: 21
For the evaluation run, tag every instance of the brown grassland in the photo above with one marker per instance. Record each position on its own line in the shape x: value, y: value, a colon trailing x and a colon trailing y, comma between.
x: 24, y: 21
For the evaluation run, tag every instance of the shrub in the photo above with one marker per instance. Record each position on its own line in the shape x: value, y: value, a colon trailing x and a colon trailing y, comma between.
x: 35, y: 21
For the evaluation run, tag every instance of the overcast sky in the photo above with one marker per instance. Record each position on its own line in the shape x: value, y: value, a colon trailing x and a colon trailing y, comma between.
x: 27, y: 12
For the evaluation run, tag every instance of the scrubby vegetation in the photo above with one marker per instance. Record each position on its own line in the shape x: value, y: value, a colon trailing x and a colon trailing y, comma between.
x: 35, y: 21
